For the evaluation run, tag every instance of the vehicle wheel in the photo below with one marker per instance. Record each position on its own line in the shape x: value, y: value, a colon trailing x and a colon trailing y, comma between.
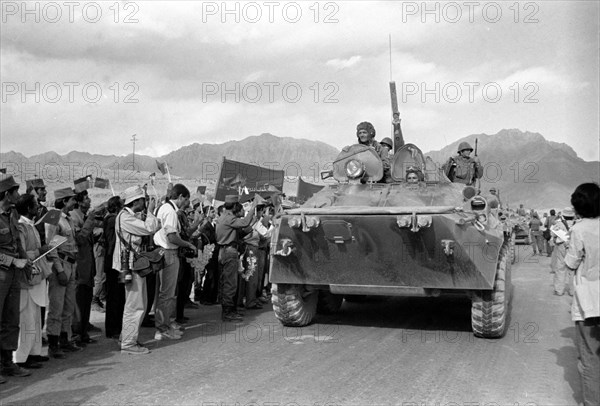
x: 489, y: 309
x: 293, y: 305
x: 513, y: 252
x: 329, y: 303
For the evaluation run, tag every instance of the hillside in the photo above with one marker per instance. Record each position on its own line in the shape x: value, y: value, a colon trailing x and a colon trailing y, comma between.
x: 525, y: 166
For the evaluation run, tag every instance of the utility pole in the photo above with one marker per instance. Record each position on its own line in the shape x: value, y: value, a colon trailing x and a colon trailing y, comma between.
x: 133, y: 139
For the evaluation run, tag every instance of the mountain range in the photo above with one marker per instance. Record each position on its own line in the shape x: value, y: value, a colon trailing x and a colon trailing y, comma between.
x: 525, y: 166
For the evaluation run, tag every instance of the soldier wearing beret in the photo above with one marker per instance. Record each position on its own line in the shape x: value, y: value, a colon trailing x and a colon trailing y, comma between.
x: 13, y: 263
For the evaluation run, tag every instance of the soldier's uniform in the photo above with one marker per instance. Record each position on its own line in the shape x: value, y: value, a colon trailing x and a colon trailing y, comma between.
x: 383, y: 152
x: 10, y: 278
x: 460, y: 169
x: 62, y: 293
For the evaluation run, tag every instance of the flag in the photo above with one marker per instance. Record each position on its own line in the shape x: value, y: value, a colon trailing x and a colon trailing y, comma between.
x: 201, y: 190
x: 306, y: 190
x: 162, y: 167
x: 101, y: 183
x: 239, y: 176
x: 82, y: 184
x: 259, y: 200
x: 51, y: 217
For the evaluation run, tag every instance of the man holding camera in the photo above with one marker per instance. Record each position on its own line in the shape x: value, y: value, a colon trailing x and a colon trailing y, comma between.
x: 168, y: 237
x: 130, y: 229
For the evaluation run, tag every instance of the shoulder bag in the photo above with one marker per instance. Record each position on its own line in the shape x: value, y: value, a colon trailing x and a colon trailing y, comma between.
x: 144, y: 262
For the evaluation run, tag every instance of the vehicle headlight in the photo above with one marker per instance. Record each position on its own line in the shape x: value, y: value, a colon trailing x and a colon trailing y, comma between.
x: 354, y: 169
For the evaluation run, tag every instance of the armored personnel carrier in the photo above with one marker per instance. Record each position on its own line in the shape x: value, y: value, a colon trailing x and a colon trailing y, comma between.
x: 360, y: 236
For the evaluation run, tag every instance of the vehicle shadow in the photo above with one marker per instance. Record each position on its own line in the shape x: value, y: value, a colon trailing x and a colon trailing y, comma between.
x: 567, y: 357
x: 411, y: 313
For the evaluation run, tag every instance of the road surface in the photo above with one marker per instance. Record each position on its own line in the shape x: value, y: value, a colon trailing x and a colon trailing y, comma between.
x: 407, y: 351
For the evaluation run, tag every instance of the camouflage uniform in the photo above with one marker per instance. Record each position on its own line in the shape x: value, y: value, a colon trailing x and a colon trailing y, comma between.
x: 460, y: 169
x: 381, y: 151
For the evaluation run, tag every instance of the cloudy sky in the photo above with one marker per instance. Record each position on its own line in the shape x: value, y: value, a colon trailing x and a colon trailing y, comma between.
x: 87, y: 76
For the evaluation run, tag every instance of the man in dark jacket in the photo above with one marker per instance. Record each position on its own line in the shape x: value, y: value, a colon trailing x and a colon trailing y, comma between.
x: 115, y: 291
x: 84, y: 221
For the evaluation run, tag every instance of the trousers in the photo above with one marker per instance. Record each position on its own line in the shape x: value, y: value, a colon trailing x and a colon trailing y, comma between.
x: 136, y: 299
x: 61, y: 302
x: 30, y: 332
x: 587, y: 340
x: 229, y: 263
x: 166, y: 284
x: 10, y: 294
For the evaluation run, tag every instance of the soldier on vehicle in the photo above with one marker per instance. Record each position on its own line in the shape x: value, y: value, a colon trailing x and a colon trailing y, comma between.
x: 463, y: 168
x: 414, y: 175
x: 495, y: 197
x: 365, y: 132
x: 386, y: 143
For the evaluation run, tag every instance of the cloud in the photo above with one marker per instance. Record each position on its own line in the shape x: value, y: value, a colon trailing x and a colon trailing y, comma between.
x: 342, y: 67
x: 340, y: 64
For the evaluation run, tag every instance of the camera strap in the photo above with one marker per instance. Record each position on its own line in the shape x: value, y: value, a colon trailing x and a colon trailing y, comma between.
x: 128, y: 245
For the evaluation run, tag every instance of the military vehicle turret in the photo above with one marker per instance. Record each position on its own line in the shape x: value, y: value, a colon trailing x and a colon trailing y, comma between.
x: 364, y: 237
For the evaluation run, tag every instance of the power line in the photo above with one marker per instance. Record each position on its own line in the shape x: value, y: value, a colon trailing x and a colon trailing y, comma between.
x: 133, y: 139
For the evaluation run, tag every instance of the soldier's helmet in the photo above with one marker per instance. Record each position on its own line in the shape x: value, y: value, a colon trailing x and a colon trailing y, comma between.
x: 365, y: 125
x: 387, y: 141
x: 464, y: 145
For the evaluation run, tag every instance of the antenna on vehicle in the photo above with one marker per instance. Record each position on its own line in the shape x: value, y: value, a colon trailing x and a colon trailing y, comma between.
x: 390, y: 41
x: 397, y: 137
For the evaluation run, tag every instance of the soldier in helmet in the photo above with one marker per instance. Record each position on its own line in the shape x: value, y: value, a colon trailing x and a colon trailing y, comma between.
x: 387, y: 144
x: 496, y: 196
x: 462, y: 168
x: 365, y: 132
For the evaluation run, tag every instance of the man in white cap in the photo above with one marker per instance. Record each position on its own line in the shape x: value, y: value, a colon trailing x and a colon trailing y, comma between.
x: 131, y: 229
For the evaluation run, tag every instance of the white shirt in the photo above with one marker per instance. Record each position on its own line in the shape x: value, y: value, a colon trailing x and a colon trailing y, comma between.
x: 167, y: 215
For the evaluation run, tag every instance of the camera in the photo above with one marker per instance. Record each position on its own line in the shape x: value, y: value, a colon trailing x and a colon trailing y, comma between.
x: 125, y: 276
x: 187, y: 252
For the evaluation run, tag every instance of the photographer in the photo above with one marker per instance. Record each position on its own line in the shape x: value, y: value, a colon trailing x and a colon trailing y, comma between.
x: 168, y: 237
x: 131, y: 229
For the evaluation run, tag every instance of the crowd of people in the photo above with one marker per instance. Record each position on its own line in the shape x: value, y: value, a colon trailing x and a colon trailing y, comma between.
x: 58, y: 266
x: 571, y: 238
x: 53, y: 272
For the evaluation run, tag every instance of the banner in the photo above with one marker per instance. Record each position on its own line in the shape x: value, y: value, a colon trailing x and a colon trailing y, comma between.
x: 162, y: 167
x: 101, y: 183
x: 238, y: 177
x: 306, y: 190
x: 82, y: 184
